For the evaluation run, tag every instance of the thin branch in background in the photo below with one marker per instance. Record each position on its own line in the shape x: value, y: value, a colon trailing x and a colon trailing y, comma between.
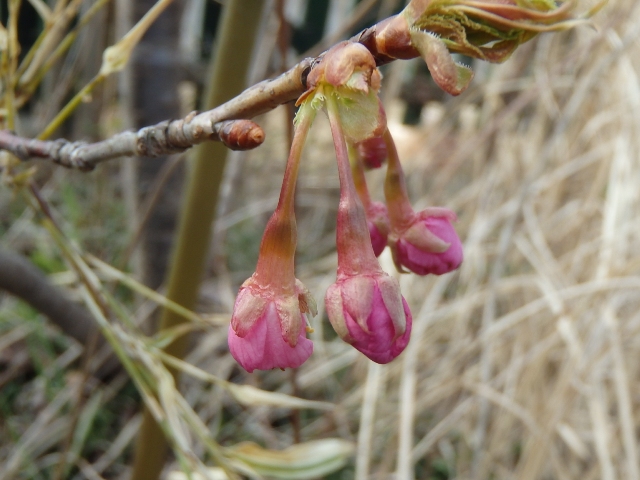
x: 114, y: 59
x: 375, y: 377
x: 51, y: 224
x: 21, y: 278
x: 51, y: 41
x: 296, y: 424
x: 129, y: 175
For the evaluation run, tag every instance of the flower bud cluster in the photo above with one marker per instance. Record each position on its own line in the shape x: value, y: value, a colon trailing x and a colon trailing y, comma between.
x: 269, y: 325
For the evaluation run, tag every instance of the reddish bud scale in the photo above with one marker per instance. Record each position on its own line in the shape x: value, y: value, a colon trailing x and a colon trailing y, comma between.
x: 240, y: 134
x: 372, y: 152
x: 389, y: 40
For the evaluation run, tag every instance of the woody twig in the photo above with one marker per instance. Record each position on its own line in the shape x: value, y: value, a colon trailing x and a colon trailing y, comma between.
x: 227, y: 123
x: 413, y: 33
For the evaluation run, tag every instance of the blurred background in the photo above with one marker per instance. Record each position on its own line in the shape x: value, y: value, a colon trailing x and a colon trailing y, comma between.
x: 523, y: 364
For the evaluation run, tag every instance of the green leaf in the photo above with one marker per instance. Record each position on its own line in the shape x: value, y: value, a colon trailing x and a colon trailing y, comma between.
x: 253, y: 397
x: 298, y: 462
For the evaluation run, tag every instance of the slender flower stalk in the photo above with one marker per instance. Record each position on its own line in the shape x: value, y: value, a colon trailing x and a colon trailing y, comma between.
x: 364, y: 306
x: 401, y: 212
x: 268, y: 326
x: 376, y: 212
x: 355, y: 253
x: 424, y: 242
x: 278, y: 244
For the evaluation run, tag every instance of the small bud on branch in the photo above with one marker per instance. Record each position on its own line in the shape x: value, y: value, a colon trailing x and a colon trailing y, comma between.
x: 486, y: 29
x: 148, y: 142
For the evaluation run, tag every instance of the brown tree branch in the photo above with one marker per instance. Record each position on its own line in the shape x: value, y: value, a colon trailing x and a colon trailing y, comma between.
x: 227, y: 123
x: 21, y: 278
x: 388, y: 40
x: 167, y: 137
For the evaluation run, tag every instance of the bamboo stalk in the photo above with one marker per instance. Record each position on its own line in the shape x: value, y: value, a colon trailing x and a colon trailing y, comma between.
x: 235, y: 42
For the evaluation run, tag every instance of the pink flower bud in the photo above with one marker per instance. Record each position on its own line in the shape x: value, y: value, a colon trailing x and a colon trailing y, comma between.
x: 378, y: 223
x: 430, y: 244
x: 268, y: 324
x: 423, y: 242
x: 369, y: 312
x: 268, y: 330
x: 372, y: 152
x: 378, y: 239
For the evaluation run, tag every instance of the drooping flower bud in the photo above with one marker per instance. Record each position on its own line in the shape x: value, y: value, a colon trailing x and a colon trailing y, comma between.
x: 373, y: 152
x: 368, y: 312
x: 268, y: 326
x: 378, y: 223
x: 376, y: 212
x: 364, y: 305
x: 430, y: 244
x: 268, y: 330
x: 423, y: 242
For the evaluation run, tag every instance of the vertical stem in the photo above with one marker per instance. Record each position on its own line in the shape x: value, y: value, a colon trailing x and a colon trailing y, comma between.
x: 239, y: 25
x: 128, y: 170
x: 347, y: 186
x: 401, y: 213
x: 287, y: 193
x: 355, y: 252
x: 277, y: 249
x: 359, y: 180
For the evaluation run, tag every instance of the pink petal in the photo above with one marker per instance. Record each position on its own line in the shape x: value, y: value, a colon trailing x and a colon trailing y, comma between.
x: 381, y: 345
x: 264, y: 347
x: 425, y: 262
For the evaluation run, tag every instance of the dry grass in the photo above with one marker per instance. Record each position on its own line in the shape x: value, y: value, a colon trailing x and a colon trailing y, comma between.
x: 521, y: 365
